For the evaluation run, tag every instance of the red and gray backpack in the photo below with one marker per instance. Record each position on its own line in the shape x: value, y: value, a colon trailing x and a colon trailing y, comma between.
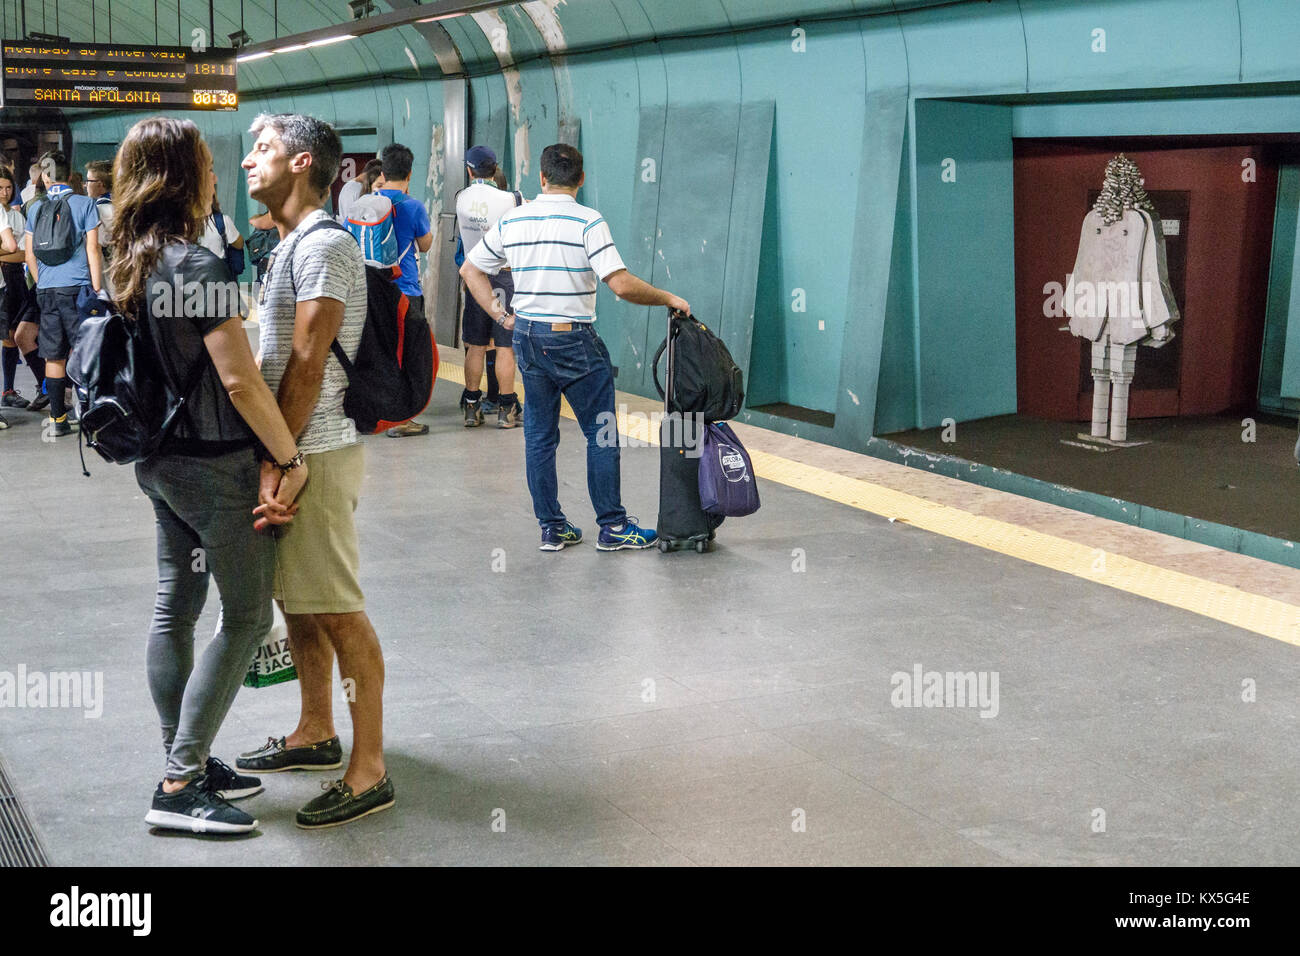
x: 392, y: 379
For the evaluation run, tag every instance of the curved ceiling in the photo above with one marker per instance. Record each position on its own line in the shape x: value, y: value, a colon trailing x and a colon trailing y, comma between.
x: 482, y: 42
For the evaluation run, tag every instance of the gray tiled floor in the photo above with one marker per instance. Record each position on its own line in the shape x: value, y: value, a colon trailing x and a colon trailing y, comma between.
x: 649, y: 709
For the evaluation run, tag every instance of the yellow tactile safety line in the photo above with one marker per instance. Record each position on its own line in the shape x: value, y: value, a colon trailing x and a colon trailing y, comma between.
x: 1243, y: 609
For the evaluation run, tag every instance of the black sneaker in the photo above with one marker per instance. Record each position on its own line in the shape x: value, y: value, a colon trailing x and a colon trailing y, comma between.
x: 228, y: 784
x: 40, y: 401
x: 339, y: 805
x: 11, y: 399
x: 276, y: 756
x: 197, y: 808
x: 61, y: 428
x: 473, y: 414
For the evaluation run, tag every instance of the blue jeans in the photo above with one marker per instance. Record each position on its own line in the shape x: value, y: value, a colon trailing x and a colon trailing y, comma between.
x: 574, y: 364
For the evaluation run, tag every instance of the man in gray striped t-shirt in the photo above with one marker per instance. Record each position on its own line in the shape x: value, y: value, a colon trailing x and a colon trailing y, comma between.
x: 313, y: 294
x: 558, y: 252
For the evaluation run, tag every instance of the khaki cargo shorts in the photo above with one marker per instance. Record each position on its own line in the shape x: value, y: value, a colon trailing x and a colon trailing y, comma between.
x: 317, y: 559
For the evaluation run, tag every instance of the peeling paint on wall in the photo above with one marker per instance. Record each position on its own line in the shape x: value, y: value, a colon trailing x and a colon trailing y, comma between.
x: 494, y: 28
x: 434, y: 184
x: 521, y: 156
x: 437, y: 168
x: 547, y: 21
x: 543, y: 15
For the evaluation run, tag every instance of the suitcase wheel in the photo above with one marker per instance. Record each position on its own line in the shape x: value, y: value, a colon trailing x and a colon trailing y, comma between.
x: 702, y: 546
x: 664, y: 545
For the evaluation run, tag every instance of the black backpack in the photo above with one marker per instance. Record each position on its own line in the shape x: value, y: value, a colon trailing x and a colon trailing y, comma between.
x: 392, y: 379
x: 260, y: 244
x: 128, y: 405
x: 705, y: 380
x: 54, y: 234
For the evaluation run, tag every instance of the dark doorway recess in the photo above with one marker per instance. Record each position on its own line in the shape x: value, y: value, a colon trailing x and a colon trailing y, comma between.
x: 1223, y: 197
x: 1203, y: 447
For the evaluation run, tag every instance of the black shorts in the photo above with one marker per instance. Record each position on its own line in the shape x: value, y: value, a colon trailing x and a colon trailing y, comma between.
x: 60, y: 321
x: 479, y: 328
x: 17, y: 303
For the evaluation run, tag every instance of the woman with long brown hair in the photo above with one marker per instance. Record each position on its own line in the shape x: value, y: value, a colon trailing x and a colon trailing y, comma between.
x: 203, y: 482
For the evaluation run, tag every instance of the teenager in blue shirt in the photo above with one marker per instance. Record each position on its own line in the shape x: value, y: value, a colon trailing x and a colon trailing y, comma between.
x: 414, y: 234
x: 58, y: 287
x: 411, y: 220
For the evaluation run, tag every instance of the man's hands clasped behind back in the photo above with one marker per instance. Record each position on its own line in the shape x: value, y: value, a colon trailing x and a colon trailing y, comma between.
x: 277, y: 494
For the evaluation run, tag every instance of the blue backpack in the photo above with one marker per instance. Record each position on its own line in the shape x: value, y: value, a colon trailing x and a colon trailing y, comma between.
x: 372, y: 221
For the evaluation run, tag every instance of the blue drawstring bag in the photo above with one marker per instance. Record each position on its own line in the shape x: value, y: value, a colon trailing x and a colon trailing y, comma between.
x: 727, y: 483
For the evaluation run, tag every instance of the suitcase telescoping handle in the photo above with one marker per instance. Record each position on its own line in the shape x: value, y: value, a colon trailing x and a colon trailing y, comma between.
x: 673, y: 317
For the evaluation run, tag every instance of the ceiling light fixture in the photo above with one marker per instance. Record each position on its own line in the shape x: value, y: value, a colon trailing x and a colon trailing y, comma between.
x: 328, y: 40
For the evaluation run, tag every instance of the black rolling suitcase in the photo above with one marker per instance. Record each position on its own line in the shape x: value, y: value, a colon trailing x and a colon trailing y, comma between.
x: 683, y: 523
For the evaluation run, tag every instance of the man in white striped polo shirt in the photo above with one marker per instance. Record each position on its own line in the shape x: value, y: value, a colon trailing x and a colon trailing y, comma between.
x: 558, y: 251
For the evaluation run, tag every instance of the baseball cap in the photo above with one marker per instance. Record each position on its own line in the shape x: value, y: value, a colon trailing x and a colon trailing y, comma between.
x: 480, y: 156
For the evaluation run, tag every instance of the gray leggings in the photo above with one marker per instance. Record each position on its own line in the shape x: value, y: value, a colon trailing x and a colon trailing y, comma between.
x: 204, y: 510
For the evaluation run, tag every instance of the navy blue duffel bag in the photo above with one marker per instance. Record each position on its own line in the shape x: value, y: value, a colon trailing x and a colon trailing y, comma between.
x: 727, y: 483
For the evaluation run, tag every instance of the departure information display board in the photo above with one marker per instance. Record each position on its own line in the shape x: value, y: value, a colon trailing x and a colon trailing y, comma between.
x: 120, y: 76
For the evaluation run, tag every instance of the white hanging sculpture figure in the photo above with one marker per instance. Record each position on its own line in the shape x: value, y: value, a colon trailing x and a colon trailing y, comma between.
x: 1118, y: 295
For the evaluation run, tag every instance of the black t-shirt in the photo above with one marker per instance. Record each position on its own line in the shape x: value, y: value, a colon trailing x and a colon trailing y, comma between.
x: 189, y: 294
